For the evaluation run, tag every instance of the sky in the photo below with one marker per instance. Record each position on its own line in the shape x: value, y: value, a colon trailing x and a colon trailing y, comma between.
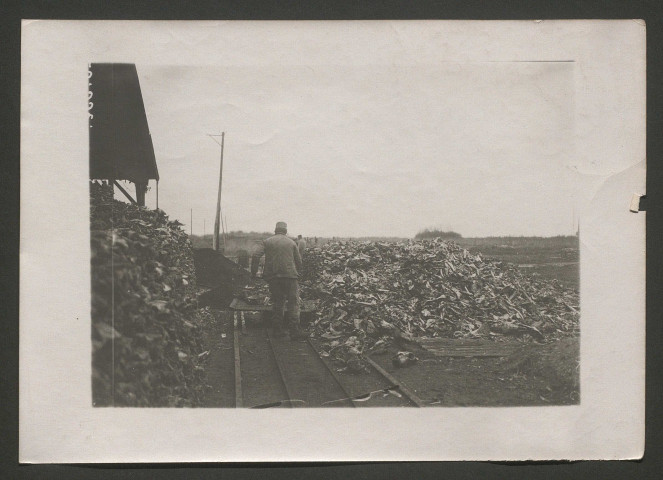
x: 381, y: 150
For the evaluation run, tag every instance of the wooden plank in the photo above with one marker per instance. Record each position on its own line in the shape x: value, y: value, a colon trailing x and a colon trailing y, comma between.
x: 446, y: 353
x: 455, y: 341
x: 126, y: 194
x: 281, y: 369
x: 238, y: 369
x: 240, y: 305
x: 446, y: 347
x: 463, y: 348
x: 407, y: 392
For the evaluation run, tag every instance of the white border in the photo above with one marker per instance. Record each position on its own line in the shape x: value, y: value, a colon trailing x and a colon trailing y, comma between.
x: 57, y: 422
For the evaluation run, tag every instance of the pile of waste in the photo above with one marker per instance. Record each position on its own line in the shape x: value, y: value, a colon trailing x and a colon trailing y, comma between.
x: 222, y: 277
x: 376, y: 294
x: 146, y: 329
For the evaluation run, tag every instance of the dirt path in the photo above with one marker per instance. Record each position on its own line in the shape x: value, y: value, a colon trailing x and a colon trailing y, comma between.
x: 537, y: 375
x: 261, y: 383
x: 528, y: 378
x: 220, y: 364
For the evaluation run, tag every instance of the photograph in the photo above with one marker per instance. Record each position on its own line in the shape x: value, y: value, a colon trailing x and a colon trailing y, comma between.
x: 332, y: 241
x: 317, y: 236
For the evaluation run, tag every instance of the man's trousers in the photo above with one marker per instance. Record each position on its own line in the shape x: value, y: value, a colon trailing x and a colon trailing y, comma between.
x: 285, y: 290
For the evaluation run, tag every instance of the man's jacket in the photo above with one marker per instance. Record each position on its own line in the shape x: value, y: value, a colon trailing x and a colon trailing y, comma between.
x: 282, y: 258
x: 301, y: 244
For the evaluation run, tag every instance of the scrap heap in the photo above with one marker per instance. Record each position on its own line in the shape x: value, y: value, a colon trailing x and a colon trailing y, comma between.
x: 146, y: 329
x: 373, y: 294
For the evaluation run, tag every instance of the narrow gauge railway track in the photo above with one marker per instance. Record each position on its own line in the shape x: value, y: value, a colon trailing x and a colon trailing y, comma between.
x: 279, y: 373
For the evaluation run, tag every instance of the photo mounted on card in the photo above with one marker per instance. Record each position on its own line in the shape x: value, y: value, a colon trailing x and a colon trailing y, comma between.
x: 332, y: 241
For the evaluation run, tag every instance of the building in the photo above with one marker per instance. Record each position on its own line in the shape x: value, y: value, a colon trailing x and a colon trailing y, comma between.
x: 120, y: 141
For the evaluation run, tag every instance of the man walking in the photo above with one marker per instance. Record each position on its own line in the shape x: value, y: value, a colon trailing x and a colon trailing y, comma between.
x: 301, y: 245
x: 283, y: 264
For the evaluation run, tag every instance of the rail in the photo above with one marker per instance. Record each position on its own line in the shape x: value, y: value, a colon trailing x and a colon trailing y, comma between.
x: 390, y: 384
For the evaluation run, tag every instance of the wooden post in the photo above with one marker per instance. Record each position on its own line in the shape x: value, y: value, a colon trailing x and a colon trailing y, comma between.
x: 217, y: 220
x: 225, y: 230
x: 141, y: 188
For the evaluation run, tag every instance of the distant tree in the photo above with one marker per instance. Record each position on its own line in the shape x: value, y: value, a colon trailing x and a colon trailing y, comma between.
x: 427, y: 234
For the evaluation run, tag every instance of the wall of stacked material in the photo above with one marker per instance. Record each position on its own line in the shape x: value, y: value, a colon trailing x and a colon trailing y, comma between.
x: 375, y: 294
x: 146, y: 329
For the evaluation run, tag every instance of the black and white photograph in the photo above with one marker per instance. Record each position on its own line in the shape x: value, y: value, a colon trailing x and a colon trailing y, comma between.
x: 446, y: 275
x: 343, y: 224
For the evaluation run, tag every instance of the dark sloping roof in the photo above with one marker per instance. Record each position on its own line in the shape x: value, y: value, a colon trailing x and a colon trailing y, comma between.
x: 120, y: 141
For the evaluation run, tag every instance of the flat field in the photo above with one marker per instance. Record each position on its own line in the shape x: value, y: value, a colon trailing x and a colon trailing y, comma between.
x: 551, y: 262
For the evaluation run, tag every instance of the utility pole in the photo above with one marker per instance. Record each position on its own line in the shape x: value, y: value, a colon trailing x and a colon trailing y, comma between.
x: 191, y: 222
x: 217, y: 220
x: 225, y: 229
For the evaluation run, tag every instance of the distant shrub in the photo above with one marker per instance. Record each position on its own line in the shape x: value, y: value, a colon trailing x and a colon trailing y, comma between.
x: 428, y: 234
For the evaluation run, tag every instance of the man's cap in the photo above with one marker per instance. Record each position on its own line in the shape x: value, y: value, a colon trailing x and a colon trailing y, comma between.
x: 281, y: 226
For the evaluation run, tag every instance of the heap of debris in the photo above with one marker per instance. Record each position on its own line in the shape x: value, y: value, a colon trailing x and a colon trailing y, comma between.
x: 146, y: 330
x: 376, y: 294
x: 223, y: 278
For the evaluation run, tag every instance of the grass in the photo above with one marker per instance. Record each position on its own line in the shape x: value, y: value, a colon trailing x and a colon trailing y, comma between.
x: 558, y: 262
